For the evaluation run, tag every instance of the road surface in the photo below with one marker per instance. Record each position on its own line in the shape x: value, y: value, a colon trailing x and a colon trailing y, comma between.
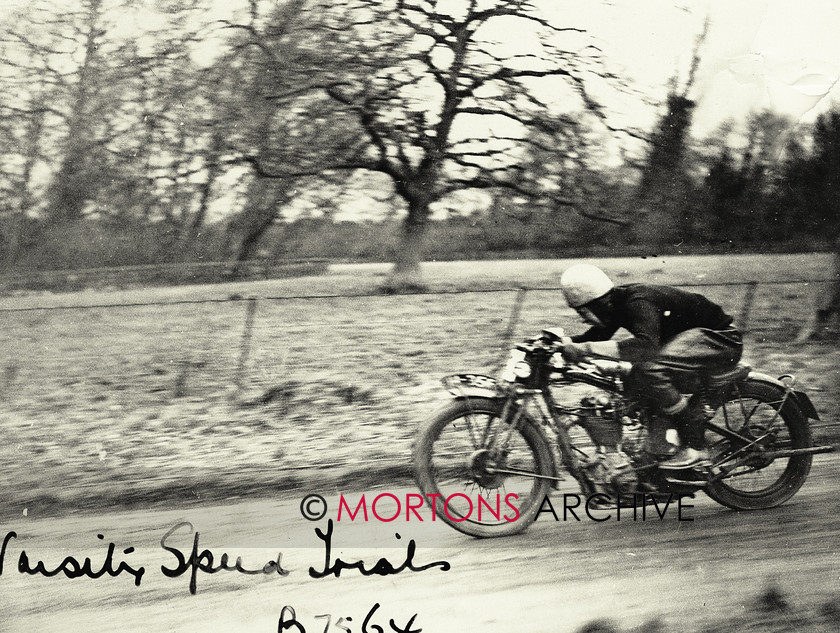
x: 555, y: 577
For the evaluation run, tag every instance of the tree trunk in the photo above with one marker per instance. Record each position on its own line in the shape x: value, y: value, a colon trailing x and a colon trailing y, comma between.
x: 77, y: 178
x: 827, y: 302
x: 406, y: 274
x: 205, y: 190
x: 265, y: 197
x: 71, y: 189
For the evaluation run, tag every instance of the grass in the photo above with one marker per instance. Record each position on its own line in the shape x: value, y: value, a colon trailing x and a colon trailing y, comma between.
x: 154, y: 399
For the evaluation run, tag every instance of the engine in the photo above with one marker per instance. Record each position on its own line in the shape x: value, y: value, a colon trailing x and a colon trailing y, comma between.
x: 617, y: 436
x: 598, y: 415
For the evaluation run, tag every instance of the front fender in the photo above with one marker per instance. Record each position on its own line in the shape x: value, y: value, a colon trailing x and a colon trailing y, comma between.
x: 800, y: 399
x: 472, y: 386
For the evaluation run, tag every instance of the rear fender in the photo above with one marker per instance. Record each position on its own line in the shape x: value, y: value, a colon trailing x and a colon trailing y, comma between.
x: 799, y: 399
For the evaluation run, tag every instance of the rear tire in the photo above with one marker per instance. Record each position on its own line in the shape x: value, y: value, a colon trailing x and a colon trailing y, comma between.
x: 753, y: 410
x: 453, y: 458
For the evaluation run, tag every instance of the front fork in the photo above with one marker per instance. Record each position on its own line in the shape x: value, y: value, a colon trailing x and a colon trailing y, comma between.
x: 511, y: 416
x: 568, y: 452
x: 491, y: 453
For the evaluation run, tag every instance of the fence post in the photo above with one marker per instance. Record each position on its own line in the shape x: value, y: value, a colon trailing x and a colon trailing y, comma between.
x: 179, y: 390
x: 245, y: 346
x: 749, y: 298
x: 511, y: 326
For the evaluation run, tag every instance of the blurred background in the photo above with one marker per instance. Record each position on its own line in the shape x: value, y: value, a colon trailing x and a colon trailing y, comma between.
x: 198, y: 131
x: 282, y: 171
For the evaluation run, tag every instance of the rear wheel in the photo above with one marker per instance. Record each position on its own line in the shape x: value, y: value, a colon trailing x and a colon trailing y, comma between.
x: 490, y: 475
x: 753, y: 479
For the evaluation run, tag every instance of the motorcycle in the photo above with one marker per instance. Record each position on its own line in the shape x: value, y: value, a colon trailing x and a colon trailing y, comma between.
x: 511, y: 438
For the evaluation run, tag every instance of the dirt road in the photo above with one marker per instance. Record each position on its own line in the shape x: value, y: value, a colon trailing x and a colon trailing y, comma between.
x: 553, y: 578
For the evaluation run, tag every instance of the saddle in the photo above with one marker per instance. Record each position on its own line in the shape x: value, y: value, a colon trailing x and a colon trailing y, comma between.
x: 721, y: 378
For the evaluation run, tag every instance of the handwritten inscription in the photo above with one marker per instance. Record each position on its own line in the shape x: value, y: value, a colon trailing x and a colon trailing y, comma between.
x: 201, y: 560
x: 289, y: 621
x: 382, y: 567
x: 204, y: 560
x: 70, y: 566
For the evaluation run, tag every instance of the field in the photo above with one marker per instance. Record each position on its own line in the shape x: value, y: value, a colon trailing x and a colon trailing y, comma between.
x: 153, y: 396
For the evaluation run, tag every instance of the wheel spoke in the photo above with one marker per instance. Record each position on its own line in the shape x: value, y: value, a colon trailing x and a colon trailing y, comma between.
x: 759, y: 457
x: 510, y: 459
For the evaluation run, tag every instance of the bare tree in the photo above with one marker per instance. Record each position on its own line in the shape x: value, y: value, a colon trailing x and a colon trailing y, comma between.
x: 666, y: 184
x: 101, y: 109
x: 67, y: 91
x: 26, y: 112
x: 429, y: 94
x: 262, y: 114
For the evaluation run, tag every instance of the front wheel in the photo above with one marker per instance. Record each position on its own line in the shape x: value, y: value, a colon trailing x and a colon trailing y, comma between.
x: 753, y: 480
x: 483, y: 475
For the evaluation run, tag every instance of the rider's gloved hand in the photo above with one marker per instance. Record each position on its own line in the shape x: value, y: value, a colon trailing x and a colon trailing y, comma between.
x: 575, y: 352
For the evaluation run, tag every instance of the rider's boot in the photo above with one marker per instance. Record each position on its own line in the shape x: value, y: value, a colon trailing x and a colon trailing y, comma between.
x: 657, y: 442
x: 689, y: 423
x: 688, y: 458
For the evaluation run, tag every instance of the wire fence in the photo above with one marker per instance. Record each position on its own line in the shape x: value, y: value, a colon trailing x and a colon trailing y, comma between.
x: 130, y: 398
x: 240, y: 345
x: 273, y: 323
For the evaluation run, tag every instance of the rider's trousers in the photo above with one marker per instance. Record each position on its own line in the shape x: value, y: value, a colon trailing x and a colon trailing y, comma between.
x: 662, y: 381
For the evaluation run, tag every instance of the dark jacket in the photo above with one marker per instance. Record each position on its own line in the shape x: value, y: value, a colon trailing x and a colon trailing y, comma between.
x: 654, y: 315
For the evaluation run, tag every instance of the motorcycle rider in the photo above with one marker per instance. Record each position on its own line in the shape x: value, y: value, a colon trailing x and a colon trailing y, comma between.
x: 675, y: 334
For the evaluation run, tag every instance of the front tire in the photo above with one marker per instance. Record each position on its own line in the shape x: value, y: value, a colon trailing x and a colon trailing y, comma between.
x: 459, y: 454
x: 755, y: 410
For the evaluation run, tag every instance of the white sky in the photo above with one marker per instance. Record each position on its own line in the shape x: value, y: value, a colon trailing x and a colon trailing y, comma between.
x: 786, y: 56
x: 782, y: 54
x: 779, y: 54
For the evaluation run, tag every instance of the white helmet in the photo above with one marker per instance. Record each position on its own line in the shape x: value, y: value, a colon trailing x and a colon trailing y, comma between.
x: 583, y: 283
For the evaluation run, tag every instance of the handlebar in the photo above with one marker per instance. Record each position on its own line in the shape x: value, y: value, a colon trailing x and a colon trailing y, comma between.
x: 551, y: 341
x: 539, y: 343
